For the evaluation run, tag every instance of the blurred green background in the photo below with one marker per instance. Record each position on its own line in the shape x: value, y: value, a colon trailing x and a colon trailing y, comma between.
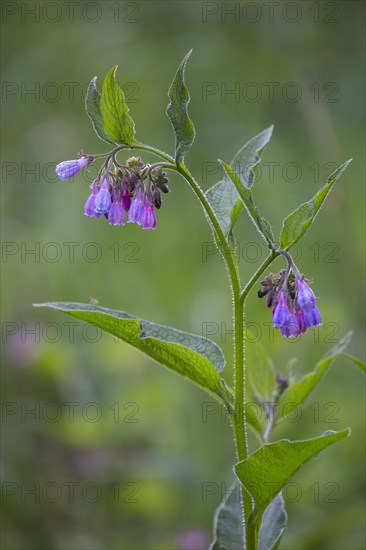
x: 119, y: 453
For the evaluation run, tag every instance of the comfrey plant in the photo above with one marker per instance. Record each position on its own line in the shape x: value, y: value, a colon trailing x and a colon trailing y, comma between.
x: 252, y: 515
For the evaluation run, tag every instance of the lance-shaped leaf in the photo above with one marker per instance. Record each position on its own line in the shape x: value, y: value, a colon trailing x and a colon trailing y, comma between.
x: 228, y: 523
x: 245, y: 194
x: 117, y: 123
x: 226, y: 204
x: 297, y: 223
x: 224, y: 197
x: 296, y: 394
x: 267, y: 470
x: 92, y: 107
x: 246, y: 160
x: 177, y: 112
x: 193, y: 357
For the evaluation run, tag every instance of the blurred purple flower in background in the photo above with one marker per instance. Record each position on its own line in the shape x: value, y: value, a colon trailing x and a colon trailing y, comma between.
x: 195, y: 539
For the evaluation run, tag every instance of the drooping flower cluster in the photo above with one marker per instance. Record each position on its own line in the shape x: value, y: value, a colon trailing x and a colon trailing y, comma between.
x: 122, y: 193
x: 292, y: 301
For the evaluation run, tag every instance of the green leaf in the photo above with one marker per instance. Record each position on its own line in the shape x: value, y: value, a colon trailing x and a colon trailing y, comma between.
x: 299, y: 391
x: 225, y: 202
x: 193, y: 357
x: 118, y: 124
x: 267, y: 470
x: 273, y: 525
x: 260, y: 370
x: 228, y: 522
x: 245, y: 194
x: 297, y: 223
x: 246, y: 160
x: 92, y: 107
x: 177, y: 112
x: 224, y: 197
x: 354, y: 360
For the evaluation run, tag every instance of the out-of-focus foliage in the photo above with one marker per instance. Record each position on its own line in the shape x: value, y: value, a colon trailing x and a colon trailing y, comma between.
x: 119, y: 452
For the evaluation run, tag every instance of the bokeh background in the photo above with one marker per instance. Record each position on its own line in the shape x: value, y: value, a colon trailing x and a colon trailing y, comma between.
x: 101, y: 447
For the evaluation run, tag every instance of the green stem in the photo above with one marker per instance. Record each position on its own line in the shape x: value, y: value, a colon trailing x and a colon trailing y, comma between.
x: 237, y: 417
x: 154, y: 151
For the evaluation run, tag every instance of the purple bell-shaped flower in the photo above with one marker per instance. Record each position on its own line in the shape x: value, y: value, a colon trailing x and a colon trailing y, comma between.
x: 103, y: 198
x: 281, y: 312
x: 116, y: 214
x: 148, y: 218
x: 137, y: 206
x: 89, y: 208
x: 65, y: 170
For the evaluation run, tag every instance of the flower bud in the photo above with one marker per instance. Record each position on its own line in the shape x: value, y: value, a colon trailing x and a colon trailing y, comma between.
x: 157, y: 198
x: 67, y: 169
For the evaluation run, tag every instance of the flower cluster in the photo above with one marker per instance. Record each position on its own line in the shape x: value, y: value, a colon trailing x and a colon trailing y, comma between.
x: 292, y: 301
x: 129, y: 192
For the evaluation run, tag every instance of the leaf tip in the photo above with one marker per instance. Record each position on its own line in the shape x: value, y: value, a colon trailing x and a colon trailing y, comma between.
x: 113, y: 71
x: 44, y: 304
x: 348, y: 162
x: 343, y: 433
x: 224, y: 164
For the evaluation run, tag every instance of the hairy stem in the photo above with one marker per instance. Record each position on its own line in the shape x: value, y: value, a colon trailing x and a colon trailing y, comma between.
x: 238, y: 416
x: 155, y: 151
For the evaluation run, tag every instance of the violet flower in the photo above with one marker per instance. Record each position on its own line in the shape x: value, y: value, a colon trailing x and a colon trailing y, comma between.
x: 148, y: 218
x: 126, y: 195
x: 136, y: 209
x: 306, y: 302
x: 305, y: 298
x: 89, y: 208
x: 116, y: 214
x: 281, y: 312
x: 103, y: 199
x: 65, y: 170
